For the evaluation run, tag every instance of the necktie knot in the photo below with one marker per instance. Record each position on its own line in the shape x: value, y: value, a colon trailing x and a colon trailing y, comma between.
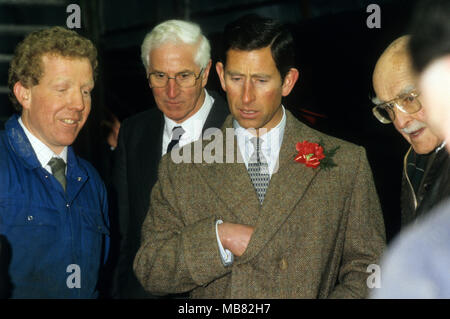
x: 257, y: 156
x: 58, y: 167
x: 177, y: 132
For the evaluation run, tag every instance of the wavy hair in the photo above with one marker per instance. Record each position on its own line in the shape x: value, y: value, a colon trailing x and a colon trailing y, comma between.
x: 176, y: 31
x: 26, y: 66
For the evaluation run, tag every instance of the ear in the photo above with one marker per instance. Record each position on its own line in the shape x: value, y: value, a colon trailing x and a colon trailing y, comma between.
x: 205, y: 74
x: 221, y: 73
x: 289, y: 81
x: 23, y: 95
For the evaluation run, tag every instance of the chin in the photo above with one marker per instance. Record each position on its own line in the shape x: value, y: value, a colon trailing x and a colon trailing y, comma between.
x: 420, y: 149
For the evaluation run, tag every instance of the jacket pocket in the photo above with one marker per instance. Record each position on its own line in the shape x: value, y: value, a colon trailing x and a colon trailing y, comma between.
x: 92, y: 220
x: 18, y: 212
x: 33, y: 232
x: 94, y: 244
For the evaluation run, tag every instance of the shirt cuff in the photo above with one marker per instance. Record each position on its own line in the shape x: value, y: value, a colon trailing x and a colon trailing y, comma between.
x: 225, y: 254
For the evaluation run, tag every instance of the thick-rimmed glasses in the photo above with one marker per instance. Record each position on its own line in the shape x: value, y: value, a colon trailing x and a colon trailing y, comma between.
x: 406, y: 103
x: 183, y: 79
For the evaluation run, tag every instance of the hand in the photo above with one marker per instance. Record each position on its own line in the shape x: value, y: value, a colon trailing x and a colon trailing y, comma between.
x: 235, y: 237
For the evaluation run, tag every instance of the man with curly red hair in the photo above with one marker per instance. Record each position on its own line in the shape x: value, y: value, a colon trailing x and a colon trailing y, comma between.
x: 53, y: 208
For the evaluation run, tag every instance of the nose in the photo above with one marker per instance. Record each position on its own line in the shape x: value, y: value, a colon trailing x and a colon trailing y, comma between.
x: 248, y: 95
x: 77, y: 101
x: 172, y: 89
x: 402, y: 119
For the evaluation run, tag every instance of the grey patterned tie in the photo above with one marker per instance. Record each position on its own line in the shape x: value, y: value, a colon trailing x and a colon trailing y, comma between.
x: 258, y: 169
x: 176, y: 135
x: 58, y: 170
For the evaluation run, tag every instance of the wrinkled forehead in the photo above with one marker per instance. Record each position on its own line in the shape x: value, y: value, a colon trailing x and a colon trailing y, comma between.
x: 393, y: 76
x: 174, y: 55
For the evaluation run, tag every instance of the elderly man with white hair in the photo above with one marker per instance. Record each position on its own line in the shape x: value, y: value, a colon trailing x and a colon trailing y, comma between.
x: 399, y: 101
x: 176, y: 58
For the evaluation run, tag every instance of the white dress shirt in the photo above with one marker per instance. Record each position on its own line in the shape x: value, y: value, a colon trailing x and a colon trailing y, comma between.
x: 192, y: 126
x: 270, y: 147
x: 43, y: 153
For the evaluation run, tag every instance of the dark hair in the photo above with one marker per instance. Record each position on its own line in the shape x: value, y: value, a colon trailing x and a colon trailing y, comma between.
x: 252, y: 32
x: 430, y: 32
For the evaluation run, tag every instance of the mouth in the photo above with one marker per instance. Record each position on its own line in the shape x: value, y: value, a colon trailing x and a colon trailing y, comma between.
x: 173, y: 103
x: 69, y: 122
x: 417, y: 133
x: 248, y: 114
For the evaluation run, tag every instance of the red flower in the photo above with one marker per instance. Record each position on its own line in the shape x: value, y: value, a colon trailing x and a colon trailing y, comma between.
x: 309, y: 154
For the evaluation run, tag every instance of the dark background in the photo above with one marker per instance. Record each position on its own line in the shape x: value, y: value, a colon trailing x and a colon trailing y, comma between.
x: 336, y: 54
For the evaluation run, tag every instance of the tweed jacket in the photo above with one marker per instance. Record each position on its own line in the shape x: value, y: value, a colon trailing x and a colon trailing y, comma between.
x: 135, y: 172
x: 315, y: 234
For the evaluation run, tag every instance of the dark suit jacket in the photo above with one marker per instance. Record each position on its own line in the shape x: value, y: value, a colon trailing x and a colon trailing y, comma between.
x: 135, y: 172
x: 434, y: 186
x: 315, y: 234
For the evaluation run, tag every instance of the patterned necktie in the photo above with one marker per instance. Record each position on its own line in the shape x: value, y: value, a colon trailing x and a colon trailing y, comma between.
x: 58, y: 170
x: 176, y: 135
x: 258, y: 169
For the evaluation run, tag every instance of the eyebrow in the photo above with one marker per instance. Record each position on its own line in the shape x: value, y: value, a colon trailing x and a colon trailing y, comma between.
x: 257, y: 75
x: 182, y: 71
x: 89, y: 84
x: 405, y: 90
x: 376, y: 101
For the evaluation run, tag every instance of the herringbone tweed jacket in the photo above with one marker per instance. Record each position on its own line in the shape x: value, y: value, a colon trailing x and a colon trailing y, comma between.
x: 315, y: 234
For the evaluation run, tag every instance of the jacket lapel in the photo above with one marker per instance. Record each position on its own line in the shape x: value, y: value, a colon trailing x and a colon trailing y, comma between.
x: 218, y: 113
x: 149, y: 155
x: 76, y: 176
x: 231, y: 184
x: 286, y: 188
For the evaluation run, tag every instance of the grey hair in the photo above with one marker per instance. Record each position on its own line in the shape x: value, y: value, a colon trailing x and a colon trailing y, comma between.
x: 176, y: 31
x: 376, y: 101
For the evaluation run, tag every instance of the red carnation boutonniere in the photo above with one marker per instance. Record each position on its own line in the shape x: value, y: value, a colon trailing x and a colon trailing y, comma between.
x: 313, y: 155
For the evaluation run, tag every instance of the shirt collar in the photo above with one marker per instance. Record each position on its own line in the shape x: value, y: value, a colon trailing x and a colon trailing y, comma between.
x: 274, y: 135
x: 440, y: 147
x: 42, y: 151
x: 193, y: 125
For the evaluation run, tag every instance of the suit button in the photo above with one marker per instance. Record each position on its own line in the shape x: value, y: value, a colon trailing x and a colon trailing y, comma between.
x: 283, y: 264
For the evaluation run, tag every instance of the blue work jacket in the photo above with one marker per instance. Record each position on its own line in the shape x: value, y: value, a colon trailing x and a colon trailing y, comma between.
x: 58, y: 240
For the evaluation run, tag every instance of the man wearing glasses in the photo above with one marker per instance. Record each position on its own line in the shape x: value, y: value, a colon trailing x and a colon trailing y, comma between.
x: 398, y: 102
x: 176, y: 57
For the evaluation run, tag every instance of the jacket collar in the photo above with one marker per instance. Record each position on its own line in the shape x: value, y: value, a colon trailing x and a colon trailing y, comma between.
x: 20, y: 144
x: 286, y: 188
x: 22, y: 148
